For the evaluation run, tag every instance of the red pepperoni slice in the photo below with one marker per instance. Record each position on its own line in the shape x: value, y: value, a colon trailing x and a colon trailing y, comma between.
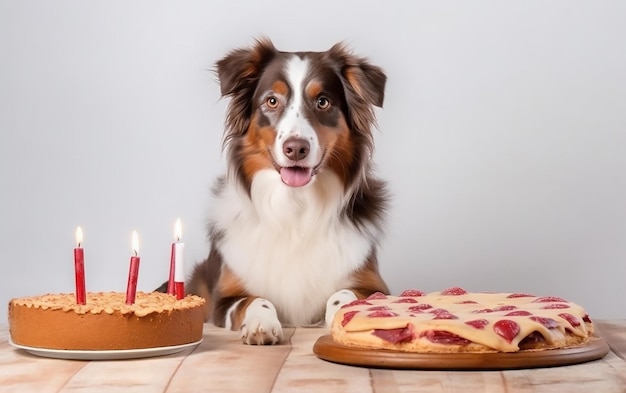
x: 454, y: 291
x: 412, y: 292
x: 514, y: 295
x: 570, y: 318
x: 518, y: 313
x: 531, y: 340
x: 445, y: 316
x: 347, y: 317
x: 406, y: 300
x: 547, y: 322
x: 377, y: 295
x: 441, y: 313
x: 382, y: 314
x: 549, y: 299
x: 443, y: 337
x: 396, y: 335
x: 586, y: 318
x: 357, y: 302
x: 478, y: 323
x: 506, y: 329
x: 420, y: 307
x: 555, y: 306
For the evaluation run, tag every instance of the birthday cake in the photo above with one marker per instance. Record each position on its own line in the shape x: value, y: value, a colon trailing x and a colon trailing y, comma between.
x: 105, y: 322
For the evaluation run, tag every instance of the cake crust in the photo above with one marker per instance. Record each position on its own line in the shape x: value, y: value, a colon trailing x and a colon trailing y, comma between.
x: 55, y: 321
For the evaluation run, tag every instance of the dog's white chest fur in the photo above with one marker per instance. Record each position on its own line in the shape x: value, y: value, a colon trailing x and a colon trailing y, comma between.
x: 289, y: 245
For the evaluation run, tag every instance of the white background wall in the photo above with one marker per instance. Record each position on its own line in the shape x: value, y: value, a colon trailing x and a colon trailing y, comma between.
x: 503, y: 137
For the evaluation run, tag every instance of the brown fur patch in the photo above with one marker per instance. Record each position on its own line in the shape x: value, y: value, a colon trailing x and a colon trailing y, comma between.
x: 203, y: 280
x: 229, y: 285
x: 353, y: 80
x: 367, y: 279
x: 341, y: 153
x: 228, y: 291
x: 236, y: 318
x: 280, y: 87
x: 254, y: 154
x: 314, y: 89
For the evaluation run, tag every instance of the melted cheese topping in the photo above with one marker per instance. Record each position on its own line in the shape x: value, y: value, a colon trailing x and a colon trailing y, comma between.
x: 463, y: 322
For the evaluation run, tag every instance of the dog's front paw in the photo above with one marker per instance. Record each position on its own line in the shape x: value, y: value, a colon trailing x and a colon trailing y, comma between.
x: 261, y: 326
x: 335, y: 302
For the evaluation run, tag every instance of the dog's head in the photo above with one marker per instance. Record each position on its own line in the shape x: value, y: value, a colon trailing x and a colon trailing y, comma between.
x: 299, y: 113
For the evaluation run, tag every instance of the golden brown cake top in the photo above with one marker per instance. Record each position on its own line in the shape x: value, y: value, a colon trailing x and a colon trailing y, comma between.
x: 109, y: 302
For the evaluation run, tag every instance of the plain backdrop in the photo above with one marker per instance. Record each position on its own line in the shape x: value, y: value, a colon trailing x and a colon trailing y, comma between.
x: 502, y: 137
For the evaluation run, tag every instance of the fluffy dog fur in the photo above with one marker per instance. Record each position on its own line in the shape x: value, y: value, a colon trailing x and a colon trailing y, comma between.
x: 298, y: 216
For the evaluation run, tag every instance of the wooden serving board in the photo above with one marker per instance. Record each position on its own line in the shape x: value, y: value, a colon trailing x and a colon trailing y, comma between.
x: 327, y: 349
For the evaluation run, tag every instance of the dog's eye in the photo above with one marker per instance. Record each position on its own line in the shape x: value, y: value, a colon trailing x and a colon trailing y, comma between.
x: 272, y: 102
x: 323, y: 103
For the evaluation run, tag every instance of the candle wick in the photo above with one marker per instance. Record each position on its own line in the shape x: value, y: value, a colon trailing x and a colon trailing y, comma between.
x: 78, y: 244
x: 135, y: 251
x: 177, y: 239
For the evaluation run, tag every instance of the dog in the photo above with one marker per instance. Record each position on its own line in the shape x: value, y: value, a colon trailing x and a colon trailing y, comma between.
x: 298, y: 216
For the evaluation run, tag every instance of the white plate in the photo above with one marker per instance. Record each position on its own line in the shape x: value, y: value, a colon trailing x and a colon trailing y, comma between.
x: 105, y: 355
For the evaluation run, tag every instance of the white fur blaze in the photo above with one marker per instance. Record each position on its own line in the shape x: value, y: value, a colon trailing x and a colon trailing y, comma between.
x: 335, y: 302
x: 260, y: 325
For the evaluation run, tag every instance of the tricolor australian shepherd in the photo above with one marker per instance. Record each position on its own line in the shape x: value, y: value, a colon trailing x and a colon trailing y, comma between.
x: 298, y: 216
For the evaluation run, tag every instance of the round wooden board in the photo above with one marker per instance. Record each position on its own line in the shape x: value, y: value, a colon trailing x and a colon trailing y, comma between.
x: 327, y: 349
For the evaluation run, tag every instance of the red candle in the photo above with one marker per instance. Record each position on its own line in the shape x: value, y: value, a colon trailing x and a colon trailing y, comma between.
x: 79, y: 268
x: 170, y: 282
x: 133, y: 273
x: 179, y: 271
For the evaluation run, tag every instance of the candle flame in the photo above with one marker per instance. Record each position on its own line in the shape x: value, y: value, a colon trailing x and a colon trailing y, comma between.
x: 178, y: 230
x: 79, y: 236
x: 135, y: 243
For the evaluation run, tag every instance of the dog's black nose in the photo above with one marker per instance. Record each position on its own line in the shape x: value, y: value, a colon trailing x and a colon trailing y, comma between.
x: 296, y: 149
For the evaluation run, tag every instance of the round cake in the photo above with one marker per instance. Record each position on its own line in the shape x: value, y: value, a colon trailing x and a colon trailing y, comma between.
x: 105, y: 322
x: 455, y: 320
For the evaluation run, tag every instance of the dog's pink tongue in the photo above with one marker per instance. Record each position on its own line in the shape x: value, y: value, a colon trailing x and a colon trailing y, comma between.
x: 296, y: 176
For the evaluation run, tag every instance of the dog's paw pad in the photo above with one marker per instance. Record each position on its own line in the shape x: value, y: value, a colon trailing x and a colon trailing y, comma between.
x: 335, y: 302
x: 261, y: 325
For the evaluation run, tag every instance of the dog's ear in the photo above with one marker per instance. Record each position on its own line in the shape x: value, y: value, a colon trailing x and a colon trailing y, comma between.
x: 363, y: 83
x: 239, y: 73
x: 241, y: 67
x: 367, y: 80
